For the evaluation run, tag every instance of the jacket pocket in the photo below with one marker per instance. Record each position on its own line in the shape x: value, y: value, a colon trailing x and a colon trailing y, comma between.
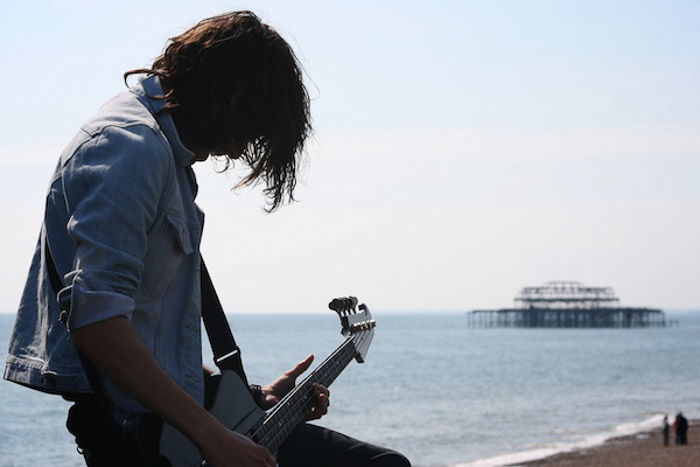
x: 168, y: 243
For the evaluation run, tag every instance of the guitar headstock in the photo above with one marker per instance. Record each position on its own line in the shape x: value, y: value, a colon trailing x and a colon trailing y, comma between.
x: 357, y: 323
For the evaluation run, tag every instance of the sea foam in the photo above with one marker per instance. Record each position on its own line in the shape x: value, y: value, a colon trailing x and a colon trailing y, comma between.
x: 588, y: 441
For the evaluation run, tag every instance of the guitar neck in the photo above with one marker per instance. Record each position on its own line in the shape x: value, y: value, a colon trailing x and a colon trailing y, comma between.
x: 290, y: 411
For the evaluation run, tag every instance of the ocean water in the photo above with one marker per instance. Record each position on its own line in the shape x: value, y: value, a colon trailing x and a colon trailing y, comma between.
x: 438, y: 391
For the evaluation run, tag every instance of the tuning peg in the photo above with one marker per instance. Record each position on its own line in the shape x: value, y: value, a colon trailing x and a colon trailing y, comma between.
x: 348, y: 304
x: 336, y: 305
x: 340, y: 305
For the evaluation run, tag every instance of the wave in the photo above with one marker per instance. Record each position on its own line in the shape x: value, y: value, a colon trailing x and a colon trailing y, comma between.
x: 588, y: 441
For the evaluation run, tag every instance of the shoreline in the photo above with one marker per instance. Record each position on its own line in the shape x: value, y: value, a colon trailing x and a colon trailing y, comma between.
x: 638, y: 444
x: 640, y: 449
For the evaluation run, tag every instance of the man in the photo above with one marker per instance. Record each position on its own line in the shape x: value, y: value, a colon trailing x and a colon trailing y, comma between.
x: 680, y: 426
x: 122, y: 232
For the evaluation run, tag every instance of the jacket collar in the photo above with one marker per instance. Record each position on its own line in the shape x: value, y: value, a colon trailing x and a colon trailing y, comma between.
x: 150, y: 92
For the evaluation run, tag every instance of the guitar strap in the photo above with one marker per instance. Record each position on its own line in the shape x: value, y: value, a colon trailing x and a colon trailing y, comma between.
x: 227, y: 354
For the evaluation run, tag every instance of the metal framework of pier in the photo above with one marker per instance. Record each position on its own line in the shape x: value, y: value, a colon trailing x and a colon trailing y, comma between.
x: 568, y: 304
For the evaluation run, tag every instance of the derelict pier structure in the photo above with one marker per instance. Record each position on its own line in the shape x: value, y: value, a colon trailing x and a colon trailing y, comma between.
x: 568, y: 304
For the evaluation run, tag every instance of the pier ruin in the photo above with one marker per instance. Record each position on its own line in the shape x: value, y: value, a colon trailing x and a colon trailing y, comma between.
x: 568, y: 304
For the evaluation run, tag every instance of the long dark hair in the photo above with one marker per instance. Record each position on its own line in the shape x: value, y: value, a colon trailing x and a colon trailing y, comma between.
x: 233, y: 79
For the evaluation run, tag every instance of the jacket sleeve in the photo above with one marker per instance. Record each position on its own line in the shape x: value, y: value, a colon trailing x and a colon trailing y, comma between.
x: 112, y: 187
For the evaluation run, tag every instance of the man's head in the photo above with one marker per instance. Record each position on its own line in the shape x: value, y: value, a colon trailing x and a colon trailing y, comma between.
x: 234, y: 87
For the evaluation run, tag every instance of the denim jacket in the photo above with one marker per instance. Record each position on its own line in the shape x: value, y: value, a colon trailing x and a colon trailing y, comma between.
x: 124, y: 232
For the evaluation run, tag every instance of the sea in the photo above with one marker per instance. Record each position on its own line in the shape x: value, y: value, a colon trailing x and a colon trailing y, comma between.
x: 442, y: 393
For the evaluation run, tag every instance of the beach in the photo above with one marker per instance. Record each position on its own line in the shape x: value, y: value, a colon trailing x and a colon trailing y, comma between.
x: 639, y: 450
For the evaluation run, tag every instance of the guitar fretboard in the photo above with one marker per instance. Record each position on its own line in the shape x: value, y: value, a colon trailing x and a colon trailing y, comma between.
x: 290, y: 411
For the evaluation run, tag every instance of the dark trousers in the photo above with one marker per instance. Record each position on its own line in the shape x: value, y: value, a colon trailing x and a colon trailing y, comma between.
x: 315, y: 446
x: 103, y: 443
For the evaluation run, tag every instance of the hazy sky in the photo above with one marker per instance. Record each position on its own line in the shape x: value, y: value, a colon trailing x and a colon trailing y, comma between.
x: 463, y: 150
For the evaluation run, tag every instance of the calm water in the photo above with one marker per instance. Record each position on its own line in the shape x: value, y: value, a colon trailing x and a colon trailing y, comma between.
x: 438, y: 391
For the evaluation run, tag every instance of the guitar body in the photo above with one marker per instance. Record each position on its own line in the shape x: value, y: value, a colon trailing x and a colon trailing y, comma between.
x: 233, y: 406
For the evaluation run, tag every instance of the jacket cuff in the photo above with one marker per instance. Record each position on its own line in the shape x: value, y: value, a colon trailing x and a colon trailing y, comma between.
x: 91, y: 306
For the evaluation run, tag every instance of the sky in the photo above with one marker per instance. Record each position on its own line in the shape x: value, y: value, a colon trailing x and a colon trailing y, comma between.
x: 462, y: 150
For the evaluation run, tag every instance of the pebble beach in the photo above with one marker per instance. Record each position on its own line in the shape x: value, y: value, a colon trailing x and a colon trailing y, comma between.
x: 640, y: 450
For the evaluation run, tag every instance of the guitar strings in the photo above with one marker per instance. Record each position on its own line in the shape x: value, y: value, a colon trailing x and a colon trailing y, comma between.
x: 285, y: 421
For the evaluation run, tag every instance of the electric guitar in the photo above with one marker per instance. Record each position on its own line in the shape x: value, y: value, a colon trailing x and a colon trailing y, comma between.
x: 235, y: 408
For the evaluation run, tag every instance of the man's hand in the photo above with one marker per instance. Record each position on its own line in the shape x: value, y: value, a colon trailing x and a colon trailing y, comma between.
x: 228, y: 448
x: 275, y: 391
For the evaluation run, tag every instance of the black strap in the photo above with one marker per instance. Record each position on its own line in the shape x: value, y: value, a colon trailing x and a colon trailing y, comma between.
x: 56, y: 282
x: 227, y: 354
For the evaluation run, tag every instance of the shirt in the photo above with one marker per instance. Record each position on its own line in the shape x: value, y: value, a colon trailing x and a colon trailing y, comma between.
x: 124, y: 232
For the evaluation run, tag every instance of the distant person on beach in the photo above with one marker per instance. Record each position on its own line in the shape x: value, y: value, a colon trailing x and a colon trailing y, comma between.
x: 680, y: 428
x: 120, y: 240
x: 665, y: 429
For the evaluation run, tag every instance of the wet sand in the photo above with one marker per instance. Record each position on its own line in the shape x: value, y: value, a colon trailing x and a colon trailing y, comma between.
x: 640, y: 450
